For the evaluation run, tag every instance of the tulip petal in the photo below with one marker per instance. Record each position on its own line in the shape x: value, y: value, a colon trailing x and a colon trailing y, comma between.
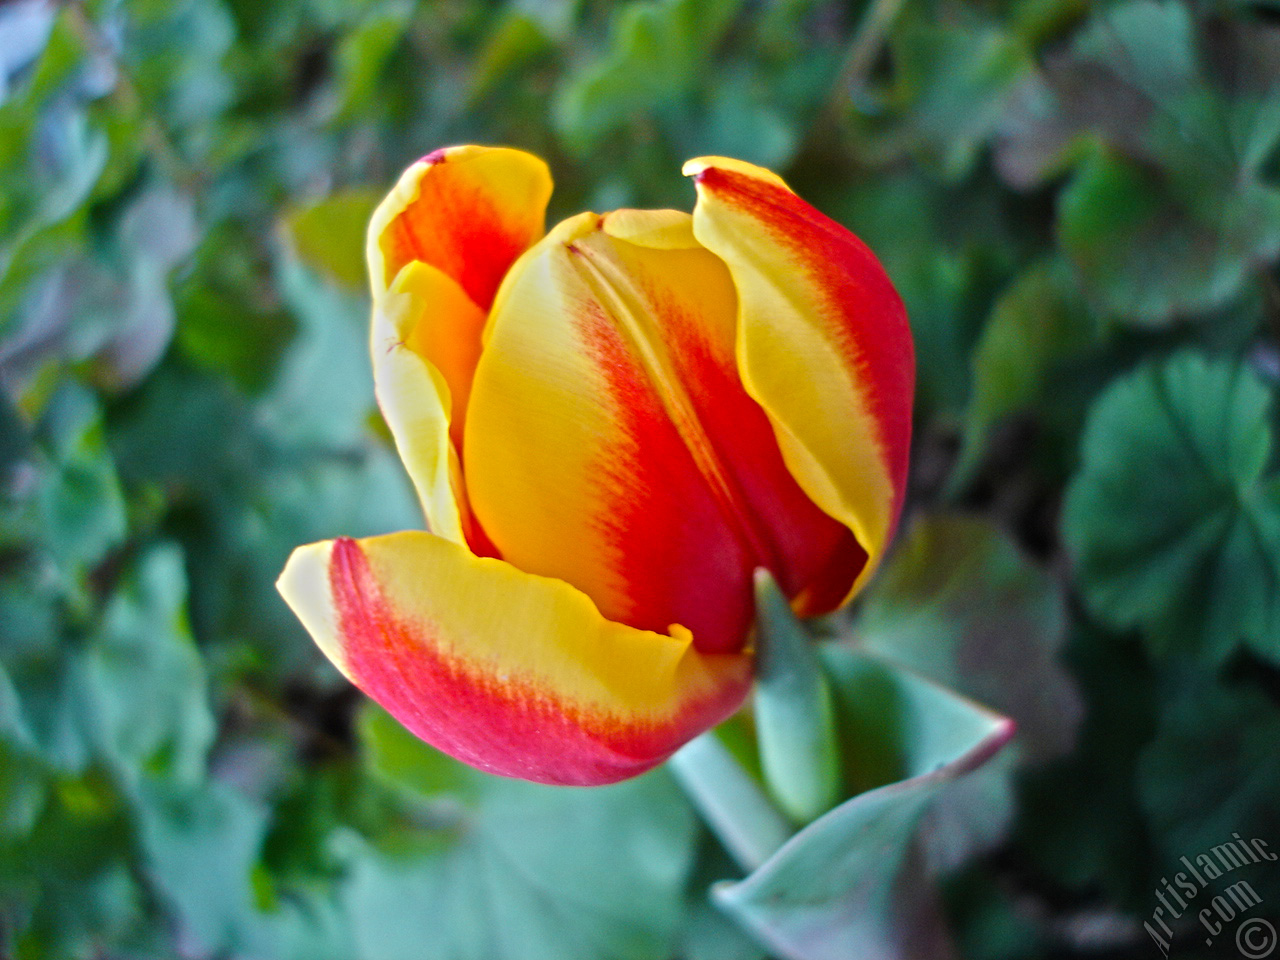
x: 468, y: 211
x: 439, y: 246
x: 610, y: 442
x: 512, y: 673
x: 413, y: 394
x: 823, y: 343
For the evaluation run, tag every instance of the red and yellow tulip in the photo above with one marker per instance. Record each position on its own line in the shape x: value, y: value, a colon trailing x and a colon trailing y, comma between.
x: 610, y: 427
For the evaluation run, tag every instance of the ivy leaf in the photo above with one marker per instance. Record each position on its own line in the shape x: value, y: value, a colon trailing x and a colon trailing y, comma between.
x: 199, y: 846
x: 81, y: 506
x: 1173, y: 526
x: 201, y: 852
x: 144, y: 644
x: 328, y: 235
x: 519, y: 39
x: 24, y: 30
x: 364, y: 54
x: 331, y: 347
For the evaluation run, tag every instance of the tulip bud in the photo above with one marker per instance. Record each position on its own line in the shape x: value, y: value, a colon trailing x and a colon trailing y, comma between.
x: 610, y: 428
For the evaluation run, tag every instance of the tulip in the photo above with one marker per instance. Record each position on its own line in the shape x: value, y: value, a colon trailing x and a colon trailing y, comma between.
x: 610, y: 428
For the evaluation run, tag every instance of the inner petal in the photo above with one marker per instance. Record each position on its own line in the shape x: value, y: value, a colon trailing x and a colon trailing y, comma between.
x: 610, y: 442
x: 439, y: 246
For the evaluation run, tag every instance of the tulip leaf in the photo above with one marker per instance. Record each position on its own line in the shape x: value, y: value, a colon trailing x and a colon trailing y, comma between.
x: 793, y: 712
x: 1192, y: 560
x: 709, y: 934
x: 853, y: 882
x: 506, y: 870
x: 959, y: 603
x: 730, y: 800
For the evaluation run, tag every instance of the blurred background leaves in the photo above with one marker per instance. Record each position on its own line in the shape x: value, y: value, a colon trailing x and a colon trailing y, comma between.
x: 1078, y: 202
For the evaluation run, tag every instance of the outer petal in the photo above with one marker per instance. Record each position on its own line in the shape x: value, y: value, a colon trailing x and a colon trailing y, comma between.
x: 823, y: 343
x: 516, y: 674
x: 439, y: 246
x: 610, y: 442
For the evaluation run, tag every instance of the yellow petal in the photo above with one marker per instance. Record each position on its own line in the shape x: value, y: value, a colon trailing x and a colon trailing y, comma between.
x: 610, y: 442
x: 660, y: 229
x: 439, y: 247
x: 414, y: 396
x: 823, y: 343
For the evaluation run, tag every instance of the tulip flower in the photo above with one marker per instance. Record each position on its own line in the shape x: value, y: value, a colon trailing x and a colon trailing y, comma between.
x: 610, y: 427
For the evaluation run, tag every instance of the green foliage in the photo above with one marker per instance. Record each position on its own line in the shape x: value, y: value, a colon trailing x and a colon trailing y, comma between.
x: 1037, y: 327
x: 852, y: 880
x: 793, y: 710
x: 506, y: 869
x: 657, y: 53
x: 1191, y: 559
x: 959, y: 603
x: 1079, y: 205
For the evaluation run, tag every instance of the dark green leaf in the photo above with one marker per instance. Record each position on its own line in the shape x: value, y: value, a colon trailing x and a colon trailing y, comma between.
x: 1211, y: 774
x: 1036, y: 326
x: 1145, y: 256
x: 1172, y: 523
